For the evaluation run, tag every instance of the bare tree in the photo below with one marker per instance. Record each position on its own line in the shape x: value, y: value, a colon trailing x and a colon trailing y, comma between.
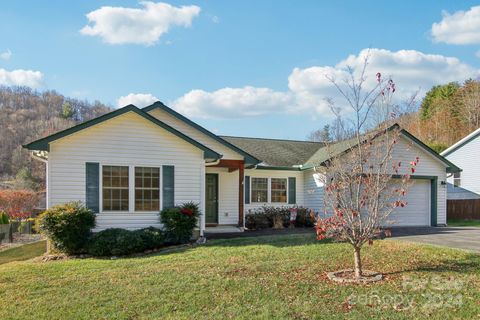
x: 470, y: 100
x: 363, y: 182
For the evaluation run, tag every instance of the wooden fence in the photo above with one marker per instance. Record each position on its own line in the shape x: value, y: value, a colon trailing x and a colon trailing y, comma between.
x: 463, y: 209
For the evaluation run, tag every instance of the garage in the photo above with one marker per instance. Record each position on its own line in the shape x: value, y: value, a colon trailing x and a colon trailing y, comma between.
x: 417, y: 212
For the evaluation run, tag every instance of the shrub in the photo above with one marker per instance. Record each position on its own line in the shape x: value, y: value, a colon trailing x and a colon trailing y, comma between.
x: 152, y: 238
x: 67, y: 226
x: 4, y: 218
x: 18, y: 204
x: 264, y: 217
x: 305, y: 218
x: 179, y: 222
x: 115, y: 242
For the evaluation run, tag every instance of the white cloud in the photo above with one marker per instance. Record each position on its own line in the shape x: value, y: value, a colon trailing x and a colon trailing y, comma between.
x: 308, y: 88
x: 20, y: 77
x: 119, y: 25
x: 461, y: 27
x: 137, y: 99
x: 6, y: 55
x: 232, y: 102
x: 411, y: 71
x: 215, y: 19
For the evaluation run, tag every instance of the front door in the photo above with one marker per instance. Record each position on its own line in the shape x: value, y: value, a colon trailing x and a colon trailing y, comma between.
x: 211, y: 198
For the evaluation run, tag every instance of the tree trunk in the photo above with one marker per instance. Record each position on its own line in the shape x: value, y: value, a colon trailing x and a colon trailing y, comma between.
x: 358, y: 262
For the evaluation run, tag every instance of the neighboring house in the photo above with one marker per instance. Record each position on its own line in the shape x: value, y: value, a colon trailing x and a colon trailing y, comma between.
x: 465, y: 154
x: 130, y: 163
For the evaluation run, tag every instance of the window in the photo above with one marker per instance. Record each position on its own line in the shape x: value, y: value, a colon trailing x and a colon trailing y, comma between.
x: 279, y: 190
x: 147, y: 189
x: 456, y: 179
x: 115, y: 188
x: 259, y: 190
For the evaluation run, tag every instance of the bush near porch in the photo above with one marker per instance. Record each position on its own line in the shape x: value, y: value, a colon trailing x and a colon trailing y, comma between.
x: 68, y: 227
x: 266, y: 216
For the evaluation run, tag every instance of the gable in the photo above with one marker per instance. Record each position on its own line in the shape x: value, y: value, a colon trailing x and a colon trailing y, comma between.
x: 207, y: 138
x: 44, y: 143
x: 125, y: 137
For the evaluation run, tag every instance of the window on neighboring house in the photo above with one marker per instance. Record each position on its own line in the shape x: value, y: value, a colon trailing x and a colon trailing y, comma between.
x: 147, y: 189
x: 456, y: 179
x: 115, y: 188
x: 279, y: 190
x: 259, y: 190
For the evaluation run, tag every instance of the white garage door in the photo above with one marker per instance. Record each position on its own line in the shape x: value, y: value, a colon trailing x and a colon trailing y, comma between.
x: 417, y: 211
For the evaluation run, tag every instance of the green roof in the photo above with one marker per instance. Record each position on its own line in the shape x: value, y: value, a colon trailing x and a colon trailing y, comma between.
x: 43, y: 144
x: 276, y: 152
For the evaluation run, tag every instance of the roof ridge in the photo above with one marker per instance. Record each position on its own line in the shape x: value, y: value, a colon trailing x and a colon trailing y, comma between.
x: 272, y: 139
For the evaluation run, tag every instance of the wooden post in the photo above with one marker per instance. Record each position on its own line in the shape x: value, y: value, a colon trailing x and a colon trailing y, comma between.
x: 241, y: 189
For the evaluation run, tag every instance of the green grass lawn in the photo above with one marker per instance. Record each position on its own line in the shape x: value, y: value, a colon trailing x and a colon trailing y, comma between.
x: 248, y: 278
x: 463, y: 223
x: 24, y: 252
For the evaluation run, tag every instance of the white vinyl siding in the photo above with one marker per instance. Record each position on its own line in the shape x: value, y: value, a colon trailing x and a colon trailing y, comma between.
x: 313, y: 190
x: 195, y: 134
x: 126, y: 140
x: 466, y: 158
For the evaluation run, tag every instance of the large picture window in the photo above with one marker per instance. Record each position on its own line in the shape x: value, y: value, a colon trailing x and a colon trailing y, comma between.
x: 147, y: 189
x: 115, y: 188
x: 279, y: 190
x: 259, y: 190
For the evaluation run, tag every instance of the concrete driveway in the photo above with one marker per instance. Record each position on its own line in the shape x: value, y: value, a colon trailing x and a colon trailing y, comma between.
x: 467, y: 238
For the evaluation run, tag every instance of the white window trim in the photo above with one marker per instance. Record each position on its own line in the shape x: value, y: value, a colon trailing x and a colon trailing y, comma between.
x: 269, y: 190
x: 131, y: 188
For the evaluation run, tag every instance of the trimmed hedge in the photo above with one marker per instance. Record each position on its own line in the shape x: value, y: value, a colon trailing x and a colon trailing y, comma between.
x: 179, y: 222
x: 264, y: 217
x: 120, y: 242
x: 67, y: 226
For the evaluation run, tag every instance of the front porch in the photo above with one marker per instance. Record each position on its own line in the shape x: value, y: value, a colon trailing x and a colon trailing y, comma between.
x: 224, y: 197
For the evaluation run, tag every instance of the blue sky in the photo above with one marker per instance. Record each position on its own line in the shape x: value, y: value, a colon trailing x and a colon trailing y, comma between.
x: 270, y: 54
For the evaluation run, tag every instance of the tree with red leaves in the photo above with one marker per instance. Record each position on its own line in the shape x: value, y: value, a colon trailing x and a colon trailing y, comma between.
x: 18, y: 204
x: 363, y: 182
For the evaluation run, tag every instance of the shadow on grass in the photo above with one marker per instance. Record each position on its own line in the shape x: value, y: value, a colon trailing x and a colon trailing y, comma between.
x: 469, y: 264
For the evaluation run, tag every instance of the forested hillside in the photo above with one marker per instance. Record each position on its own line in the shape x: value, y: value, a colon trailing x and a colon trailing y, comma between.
x: 26, y: 115
x: 445, y: 115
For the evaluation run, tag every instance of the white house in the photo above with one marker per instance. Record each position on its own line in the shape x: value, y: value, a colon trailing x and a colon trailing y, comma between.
x: 465, y: 153
x: 129, y: 164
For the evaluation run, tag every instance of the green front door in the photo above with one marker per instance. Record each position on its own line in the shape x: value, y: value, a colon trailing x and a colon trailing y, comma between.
x: 211, y: 198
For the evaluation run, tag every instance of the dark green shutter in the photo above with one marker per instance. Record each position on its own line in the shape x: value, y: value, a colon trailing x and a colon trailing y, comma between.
x: 247, y: 189
x: 168, y: 186
x: 92, y: 176
x: 292, y: 190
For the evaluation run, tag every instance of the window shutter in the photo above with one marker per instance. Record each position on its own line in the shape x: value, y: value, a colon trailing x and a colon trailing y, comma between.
x: 247, y: 189
x: 168, y: 187
x: 92, y: 176
x: 292, y: 190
